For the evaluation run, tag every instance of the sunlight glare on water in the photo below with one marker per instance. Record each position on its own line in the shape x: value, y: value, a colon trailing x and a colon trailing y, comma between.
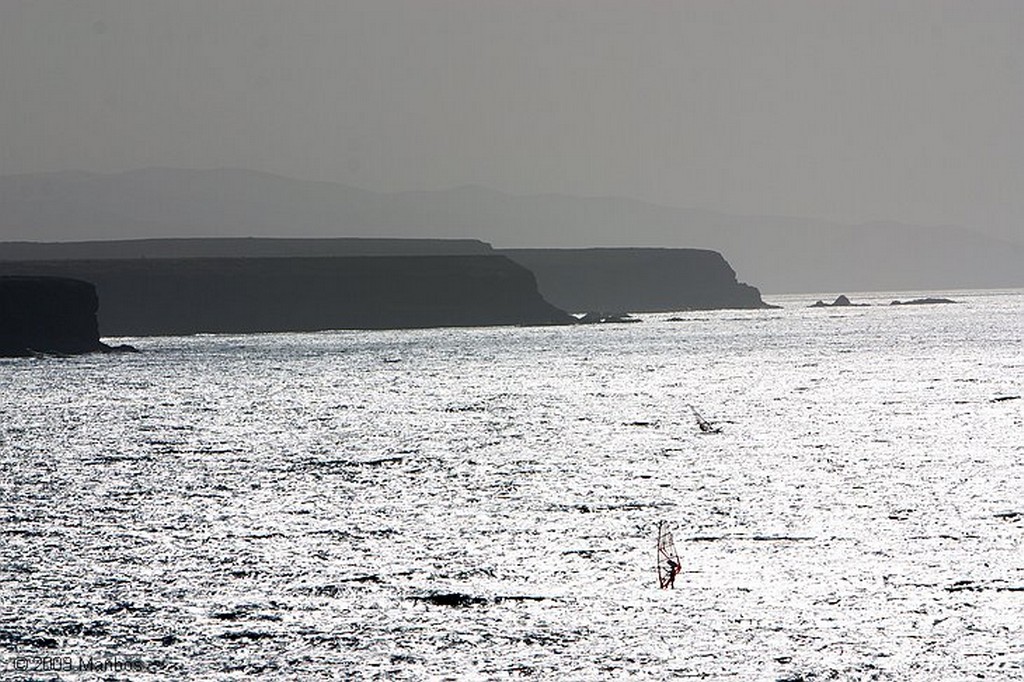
x: 482, y: 503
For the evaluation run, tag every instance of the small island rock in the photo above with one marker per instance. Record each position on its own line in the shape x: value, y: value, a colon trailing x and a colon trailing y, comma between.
x: 923, y: 301
x: 841, y: 302
x: 606, y: 318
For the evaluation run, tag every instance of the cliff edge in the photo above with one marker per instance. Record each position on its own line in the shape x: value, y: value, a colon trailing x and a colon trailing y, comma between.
x: 168, y: 296
x: 47, y: 315
x: 636, y: 280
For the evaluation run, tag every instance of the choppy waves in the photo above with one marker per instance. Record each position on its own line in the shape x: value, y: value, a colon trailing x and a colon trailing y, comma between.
x: 453, y: 504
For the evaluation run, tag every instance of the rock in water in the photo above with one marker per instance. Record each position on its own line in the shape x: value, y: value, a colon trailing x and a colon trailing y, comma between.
x: 47, y: 315
x: 923, y: 301
x: 594, y: 317
x: 842, y: 301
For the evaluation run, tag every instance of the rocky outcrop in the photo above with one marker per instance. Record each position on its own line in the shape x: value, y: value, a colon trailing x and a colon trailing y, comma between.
x: 637, y: 280
x: 40, y: 315
x: 841, y: 302
x: 924, y: 301
x: 164, y: 296
x: 596, y: 317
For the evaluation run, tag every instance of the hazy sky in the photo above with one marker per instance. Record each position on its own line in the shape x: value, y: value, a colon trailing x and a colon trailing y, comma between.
x: 852, y: 111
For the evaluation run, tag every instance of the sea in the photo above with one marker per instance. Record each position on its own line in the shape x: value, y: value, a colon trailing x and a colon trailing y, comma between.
x: 478, y: 504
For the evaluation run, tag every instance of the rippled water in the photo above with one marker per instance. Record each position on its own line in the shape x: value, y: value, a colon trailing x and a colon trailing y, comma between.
x: 467, y: 504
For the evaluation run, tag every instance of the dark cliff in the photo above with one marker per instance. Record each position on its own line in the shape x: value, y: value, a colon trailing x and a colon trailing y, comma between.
x: 636, y: 280
x: 240, y: 295
x: 47, y: 315
x: 237, y: 247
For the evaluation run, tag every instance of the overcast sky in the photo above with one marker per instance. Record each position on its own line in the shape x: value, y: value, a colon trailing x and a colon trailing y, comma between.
x: 853, y: 111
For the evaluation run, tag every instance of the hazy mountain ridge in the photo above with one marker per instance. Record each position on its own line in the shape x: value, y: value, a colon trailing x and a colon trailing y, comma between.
x: 776, y: 254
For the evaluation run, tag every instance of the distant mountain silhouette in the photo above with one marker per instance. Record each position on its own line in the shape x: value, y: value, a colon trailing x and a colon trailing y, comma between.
x: 777, y: 254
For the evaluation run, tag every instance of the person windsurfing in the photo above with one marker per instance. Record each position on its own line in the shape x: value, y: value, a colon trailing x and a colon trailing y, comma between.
x: 704, y: 425
x: 668, y: 564
x: 673, y: 570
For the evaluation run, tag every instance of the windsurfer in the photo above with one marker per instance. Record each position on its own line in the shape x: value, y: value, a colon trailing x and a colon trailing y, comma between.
x: 673, y: 571
x: 704, y: 424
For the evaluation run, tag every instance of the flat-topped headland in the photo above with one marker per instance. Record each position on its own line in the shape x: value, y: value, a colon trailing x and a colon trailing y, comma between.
x: 637, y: 279
x: 239, y: 247
x: 241, y: 285
x: 168, y: 296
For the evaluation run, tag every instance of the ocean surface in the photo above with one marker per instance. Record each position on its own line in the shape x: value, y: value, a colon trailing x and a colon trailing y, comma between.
x: 483, y: 503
